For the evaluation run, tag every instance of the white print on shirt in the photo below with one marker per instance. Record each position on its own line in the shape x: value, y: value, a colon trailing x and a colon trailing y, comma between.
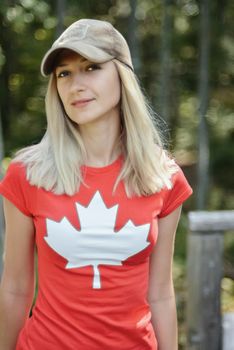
x: 96, y: 243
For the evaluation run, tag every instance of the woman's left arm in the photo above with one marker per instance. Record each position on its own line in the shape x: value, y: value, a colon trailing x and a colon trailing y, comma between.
x: 161, y: 296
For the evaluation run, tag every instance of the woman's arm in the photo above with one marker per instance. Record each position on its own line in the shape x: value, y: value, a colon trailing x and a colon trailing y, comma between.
x: 161, y: 295
x: 18, y: 282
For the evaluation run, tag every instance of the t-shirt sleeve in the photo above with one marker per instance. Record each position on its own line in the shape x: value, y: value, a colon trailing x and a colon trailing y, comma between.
x: 174, y: 197
x: 15, y: 187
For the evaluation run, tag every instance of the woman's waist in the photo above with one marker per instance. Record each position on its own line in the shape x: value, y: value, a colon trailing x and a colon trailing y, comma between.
x: 92, y: 329
x: 89, y: 308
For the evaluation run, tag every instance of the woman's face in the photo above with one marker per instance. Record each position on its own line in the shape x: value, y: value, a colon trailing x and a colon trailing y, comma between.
x: 90, y: 92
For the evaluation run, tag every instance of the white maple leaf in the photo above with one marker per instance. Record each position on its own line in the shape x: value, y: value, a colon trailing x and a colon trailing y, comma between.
x: 96, y: 242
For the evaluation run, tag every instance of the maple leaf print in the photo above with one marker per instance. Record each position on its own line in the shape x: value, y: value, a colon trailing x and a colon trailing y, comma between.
x: 96, y: 243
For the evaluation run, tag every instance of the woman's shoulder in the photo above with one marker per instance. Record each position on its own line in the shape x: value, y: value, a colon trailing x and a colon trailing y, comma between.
x: 177, y: 193
x: 17, y: 167
x: 16, y: 188
x: 15, y: 173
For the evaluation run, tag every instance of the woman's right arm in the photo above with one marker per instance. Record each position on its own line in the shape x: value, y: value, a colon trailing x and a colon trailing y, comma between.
x: 18, y: 279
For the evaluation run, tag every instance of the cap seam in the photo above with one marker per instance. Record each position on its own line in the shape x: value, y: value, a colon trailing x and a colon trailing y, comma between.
x: 110, y: 30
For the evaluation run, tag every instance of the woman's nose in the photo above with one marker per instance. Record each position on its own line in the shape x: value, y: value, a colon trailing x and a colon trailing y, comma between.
x: 77, y: 83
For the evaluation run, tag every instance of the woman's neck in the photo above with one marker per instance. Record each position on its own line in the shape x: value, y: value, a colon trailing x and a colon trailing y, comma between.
x: 101, y: 142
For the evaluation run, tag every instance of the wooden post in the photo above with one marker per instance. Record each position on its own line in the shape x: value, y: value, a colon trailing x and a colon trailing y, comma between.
x: 204, y: 274
x: 228, y: 326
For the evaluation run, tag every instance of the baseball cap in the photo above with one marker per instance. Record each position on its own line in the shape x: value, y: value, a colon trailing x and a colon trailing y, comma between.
x: 96, y: 40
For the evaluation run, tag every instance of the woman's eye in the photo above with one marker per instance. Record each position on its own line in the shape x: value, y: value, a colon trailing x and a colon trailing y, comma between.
x: 62, y: 74
x: 92, y: 67
x: 89, y: 68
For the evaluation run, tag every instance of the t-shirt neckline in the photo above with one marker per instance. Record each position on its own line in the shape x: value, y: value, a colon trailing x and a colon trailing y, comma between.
x: 103, y: 169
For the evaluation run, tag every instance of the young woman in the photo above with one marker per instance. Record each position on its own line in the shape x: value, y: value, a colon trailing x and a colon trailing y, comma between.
x: 100, y: 200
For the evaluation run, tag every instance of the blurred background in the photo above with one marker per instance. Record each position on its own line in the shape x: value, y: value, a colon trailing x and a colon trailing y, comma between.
x: 183, y: 53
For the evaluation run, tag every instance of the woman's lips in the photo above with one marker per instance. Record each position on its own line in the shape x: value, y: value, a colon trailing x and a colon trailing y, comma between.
x: 81, y: 103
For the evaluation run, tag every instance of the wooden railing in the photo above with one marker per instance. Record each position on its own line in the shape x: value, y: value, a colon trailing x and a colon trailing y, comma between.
x: 204, y: 274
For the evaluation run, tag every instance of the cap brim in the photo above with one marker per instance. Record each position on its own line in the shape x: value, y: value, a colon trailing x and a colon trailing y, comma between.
x: 91, y: 53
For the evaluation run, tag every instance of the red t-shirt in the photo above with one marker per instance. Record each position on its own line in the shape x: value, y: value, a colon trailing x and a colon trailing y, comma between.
x: 93, y: 260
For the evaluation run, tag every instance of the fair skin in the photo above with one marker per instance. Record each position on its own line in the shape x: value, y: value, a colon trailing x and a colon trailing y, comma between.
x: 98, y: 119
x: 18, y: 281
x: 99, y: 124
x: 161, y: 295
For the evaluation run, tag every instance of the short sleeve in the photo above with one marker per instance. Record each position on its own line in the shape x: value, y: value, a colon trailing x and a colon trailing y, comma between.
x: 14, y: 187
x: 174, y: 197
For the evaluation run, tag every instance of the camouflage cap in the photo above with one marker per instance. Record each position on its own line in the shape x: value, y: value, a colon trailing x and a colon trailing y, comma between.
x: 98, y: 41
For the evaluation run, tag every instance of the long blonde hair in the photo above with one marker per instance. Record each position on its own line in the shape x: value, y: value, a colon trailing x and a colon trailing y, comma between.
x: 55, y: 162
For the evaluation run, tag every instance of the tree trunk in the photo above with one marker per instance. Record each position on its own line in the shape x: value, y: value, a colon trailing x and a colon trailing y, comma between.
x: 132, y: 36
x: 60, y: 10
x: 165, y: 60
x: 203, y: 143
x: 6, y: 107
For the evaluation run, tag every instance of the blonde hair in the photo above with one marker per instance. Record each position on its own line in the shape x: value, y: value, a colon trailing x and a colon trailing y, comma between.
x: 55, y: 162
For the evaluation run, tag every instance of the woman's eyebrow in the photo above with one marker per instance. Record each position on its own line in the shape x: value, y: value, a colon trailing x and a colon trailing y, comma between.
x: 62, y: 64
